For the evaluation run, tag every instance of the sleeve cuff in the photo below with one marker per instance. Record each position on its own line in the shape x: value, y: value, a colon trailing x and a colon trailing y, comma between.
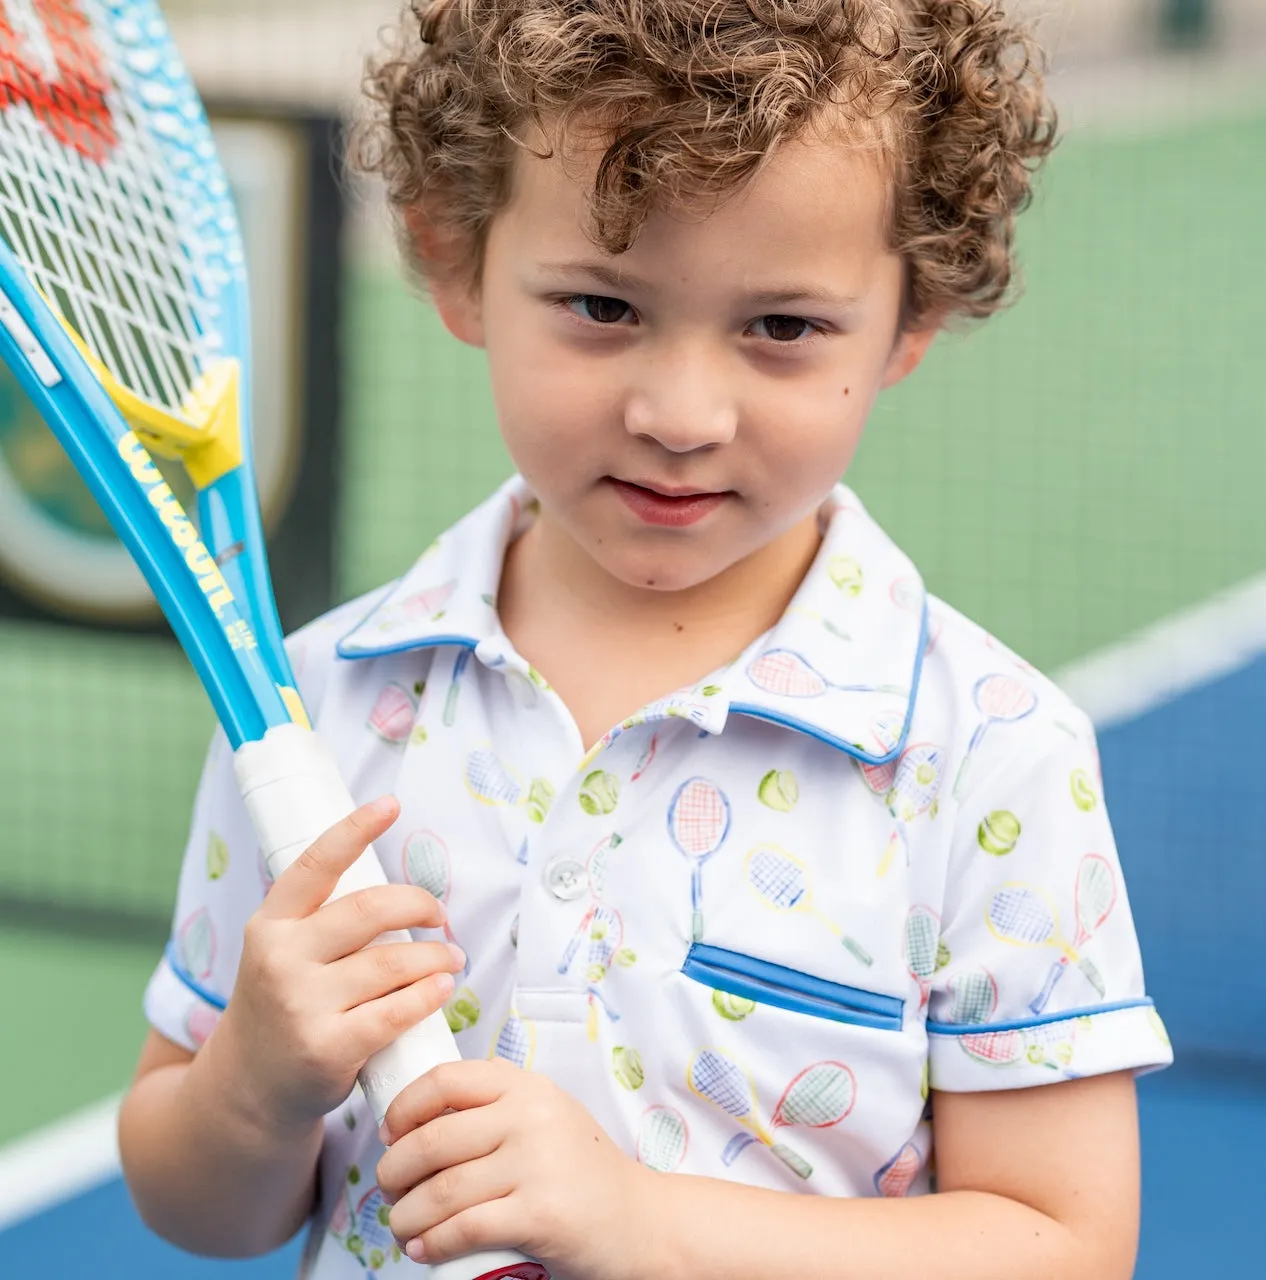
x: 1017, y: 1055
x: 179, y: 1009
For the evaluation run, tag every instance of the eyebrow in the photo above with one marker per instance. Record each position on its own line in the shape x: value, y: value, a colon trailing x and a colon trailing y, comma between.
x: 773, y: 297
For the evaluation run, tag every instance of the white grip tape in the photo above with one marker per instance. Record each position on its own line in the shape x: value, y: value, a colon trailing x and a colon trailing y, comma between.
x: 293, y: 793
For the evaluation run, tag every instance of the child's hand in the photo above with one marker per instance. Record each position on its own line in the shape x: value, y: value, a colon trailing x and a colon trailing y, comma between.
x: 310, y: 1006
x: 515, y: 1163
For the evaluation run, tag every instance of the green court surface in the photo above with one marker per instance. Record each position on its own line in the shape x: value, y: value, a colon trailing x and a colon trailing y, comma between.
x: 1078, y: 468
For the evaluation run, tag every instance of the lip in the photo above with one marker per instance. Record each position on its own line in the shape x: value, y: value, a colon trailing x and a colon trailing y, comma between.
x: 668, y: 507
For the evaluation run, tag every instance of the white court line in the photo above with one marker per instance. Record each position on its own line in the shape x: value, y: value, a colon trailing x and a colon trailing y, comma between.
x: 59, y: 1162
x: 1170, y: 658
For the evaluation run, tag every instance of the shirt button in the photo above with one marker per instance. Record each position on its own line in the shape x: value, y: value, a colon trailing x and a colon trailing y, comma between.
x: 565, y: 878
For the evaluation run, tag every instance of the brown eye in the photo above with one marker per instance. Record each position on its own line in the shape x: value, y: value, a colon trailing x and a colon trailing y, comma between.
x: 599, y: 309
x: 785, y: 328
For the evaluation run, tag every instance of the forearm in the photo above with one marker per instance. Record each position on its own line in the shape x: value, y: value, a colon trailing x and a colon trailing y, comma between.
x: 204, y: 1171
x: 704, y: 1228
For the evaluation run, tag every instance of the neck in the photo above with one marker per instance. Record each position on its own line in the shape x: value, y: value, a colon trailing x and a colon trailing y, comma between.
x: 547, y: 568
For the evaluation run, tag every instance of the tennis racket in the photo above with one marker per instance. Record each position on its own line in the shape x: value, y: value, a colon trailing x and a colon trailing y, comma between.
x: 124, y: 317
x: 1000, y: 699
x: 698, y: 822
x: 662, y: 1139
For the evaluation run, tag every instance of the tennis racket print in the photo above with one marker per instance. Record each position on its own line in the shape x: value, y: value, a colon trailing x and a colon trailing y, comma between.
x: 1096, y: 895
x: 662, y: 1139
x: 722, y: 1082
x: 698, y: 822
x: 1000, y: 699
x: 782, y: 882
x: 788, y: 674
x: 124, y: 317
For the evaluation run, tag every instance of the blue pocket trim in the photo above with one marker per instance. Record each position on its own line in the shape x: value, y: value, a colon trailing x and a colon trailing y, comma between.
x: 774, y: 984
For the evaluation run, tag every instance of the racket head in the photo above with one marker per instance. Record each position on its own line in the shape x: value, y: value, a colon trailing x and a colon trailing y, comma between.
x: 820, y: 1096
x: 426, y: 863
x: 489, y: 781
x: 124, y: 316
x: 716, y: 1079
x: 1004, y: 698
x: 783, y: 672
x: 516, y: 1041
x: 698, y: 818
x: 922, y: 941
x: 1096, y: 893
x: 776, y: 877
x: 1022, y: 915
x: 973, y: 995
x: 662, y: 1139
x: 895, y: 1178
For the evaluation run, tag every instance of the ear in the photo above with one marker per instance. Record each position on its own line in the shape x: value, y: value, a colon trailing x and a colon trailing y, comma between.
x: 908, y: 353
x: 439, y: 251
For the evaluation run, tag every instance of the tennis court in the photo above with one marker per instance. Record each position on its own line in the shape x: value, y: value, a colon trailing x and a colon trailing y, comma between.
x: 1083, y: 477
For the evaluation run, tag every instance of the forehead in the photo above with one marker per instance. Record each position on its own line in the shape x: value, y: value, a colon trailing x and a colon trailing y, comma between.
x: 824, y: 193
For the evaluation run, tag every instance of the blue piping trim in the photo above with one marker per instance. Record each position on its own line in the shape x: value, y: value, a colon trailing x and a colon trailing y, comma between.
x: 405, y: 646
x: 1024, y: 1024
x: 774, y: 984
x: 216, y: 1002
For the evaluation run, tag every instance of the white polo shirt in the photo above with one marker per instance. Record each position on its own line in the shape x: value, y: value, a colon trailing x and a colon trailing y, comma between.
x: 760, y: 920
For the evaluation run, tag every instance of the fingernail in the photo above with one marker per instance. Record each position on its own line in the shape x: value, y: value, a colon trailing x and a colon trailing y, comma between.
x: 458, y: 955
x: 445, y: 982
x: 385, y: 804
x: 415, y: 1250
x: 384, y: 1134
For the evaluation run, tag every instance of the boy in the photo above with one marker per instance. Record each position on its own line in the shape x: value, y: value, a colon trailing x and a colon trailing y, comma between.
x: 761, y: 857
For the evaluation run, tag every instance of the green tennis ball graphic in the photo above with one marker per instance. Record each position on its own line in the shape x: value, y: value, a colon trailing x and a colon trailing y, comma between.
x: 627, y: 1067
x: 732, y: 1008
x: 540, y: 797
x: 600, y: 793
x: 1084, y: 795
x: 217, y: 856
x: 847, y: 574
x: 999, y: 833
x: 780, y: 790
x: 462, y: 1011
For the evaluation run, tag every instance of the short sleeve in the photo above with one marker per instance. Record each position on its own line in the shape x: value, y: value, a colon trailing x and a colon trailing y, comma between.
x: 1039, y: 974
x: 222, y: 882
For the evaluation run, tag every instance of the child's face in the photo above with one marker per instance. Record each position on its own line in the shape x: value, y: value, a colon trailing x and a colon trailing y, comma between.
x: 734, y: 356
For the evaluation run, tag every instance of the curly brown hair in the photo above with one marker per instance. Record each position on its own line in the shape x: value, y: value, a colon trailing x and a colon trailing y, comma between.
x: 692, y: 96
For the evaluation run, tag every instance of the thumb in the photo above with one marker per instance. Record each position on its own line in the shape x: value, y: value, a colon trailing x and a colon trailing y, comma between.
x: 312, y: 878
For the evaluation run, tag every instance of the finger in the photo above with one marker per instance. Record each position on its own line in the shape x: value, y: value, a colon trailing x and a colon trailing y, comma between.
x: 452, y: 1086
x: 377, y: 1023
x: 310, y: 879
x: 390, y: 966
x: 347, y: 924
x: 479, y: 1212
x: 454, y: 1139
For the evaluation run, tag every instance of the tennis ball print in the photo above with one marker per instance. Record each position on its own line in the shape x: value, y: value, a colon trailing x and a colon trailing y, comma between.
x: 600, y: 793
x: 847, y: 574
x: 463, y: 1010
x: 540, y: 797
x: 780, y: 790
x: 731, y: 1007
x: 217, y: 856
x: 1084, y: 795
x: 626, y: 1064
x: 999, y: 832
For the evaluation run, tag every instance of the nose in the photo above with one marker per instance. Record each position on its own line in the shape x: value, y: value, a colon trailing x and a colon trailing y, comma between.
x: 682, y: 399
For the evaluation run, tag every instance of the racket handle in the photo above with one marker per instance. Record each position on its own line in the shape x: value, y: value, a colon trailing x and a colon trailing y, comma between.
x: 293, y: 793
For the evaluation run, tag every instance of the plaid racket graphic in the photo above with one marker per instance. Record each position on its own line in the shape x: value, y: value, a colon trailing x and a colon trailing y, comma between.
x: 516, y: 1041
x: 922, y: 947
x: 662, y: 1139
x: 973, y: 995
x: 1050, y: 1045
x: 1024, y: 916
x: 820, y: 1096
x: 698, y: 822
x: 1000, y: 699
x: 490, y: 782
x: 909, y: 786
x: 895, y: 1178
x: 782, y: 881
x: 785, y: 673
x: 596, y: 870
x: 426, y: 862
x: 1096, y: 895
x: 716, y: 1079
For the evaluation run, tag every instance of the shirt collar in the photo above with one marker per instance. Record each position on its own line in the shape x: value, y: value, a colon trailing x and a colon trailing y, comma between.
x: 842, y: 664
